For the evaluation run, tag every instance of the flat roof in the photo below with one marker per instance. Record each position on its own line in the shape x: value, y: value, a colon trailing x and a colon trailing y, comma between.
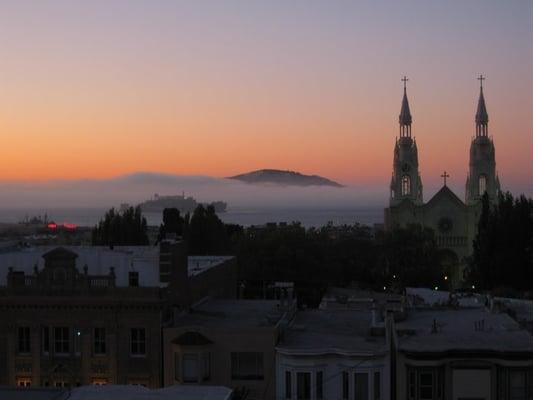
x: 339, y: 331
x: 99, y: 260
x: 137, y: 392
x: 220, y: 313
x: 458, y: 329
x: 432, y: 297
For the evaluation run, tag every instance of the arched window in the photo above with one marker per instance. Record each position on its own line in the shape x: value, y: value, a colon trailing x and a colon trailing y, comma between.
x: 482, y: 184
x: 406, y: 185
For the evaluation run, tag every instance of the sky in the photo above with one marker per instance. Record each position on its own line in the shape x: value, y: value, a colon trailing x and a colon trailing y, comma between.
x: 95, y: 90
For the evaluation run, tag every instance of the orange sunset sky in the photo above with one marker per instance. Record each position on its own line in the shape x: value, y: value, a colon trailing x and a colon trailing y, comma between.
x: 219, y: 88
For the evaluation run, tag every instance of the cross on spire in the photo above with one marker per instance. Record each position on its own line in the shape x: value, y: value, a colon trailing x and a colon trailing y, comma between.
x: 481, y: 79
x: 404, y: 80
x: 445, y: 175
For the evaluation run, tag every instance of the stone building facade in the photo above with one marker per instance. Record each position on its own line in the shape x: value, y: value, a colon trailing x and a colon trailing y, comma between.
x: 453, y: 220
x: 94, y: 315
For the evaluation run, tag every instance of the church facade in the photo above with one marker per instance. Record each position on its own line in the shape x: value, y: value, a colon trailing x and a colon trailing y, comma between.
x: 453, y: 220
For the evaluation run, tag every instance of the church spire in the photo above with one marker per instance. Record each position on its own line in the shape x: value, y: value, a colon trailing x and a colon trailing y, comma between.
x: 405, y: 118
x: 482, y: 117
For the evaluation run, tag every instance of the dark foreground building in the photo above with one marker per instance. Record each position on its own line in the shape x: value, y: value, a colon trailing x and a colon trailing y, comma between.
x: 94, y: 315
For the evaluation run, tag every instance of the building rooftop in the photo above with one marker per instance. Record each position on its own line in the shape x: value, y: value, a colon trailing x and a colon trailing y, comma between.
x: 357, y: 299
x: 425, y: 297
x: 118, y: 392
x: 99, y: 260
x: 344, y: 332
x: 461, y: 330
x: 220, y: 314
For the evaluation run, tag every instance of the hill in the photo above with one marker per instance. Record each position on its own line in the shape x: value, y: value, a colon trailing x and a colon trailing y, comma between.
x: 284, y: 178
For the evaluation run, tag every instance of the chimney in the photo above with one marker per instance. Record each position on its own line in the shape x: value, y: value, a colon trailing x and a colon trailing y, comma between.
x: 174, y: 270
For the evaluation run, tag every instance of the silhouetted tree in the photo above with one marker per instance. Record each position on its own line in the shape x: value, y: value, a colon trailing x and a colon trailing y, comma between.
x: 410, y: 257
x: 503, y: 247
x: 173, y: 223
x: 128, y: 228
x: 206, y: 233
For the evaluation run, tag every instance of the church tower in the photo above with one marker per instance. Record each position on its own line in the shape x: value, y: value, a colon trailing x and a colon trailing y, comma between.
x: 482, y: 173
x: 406, y: 182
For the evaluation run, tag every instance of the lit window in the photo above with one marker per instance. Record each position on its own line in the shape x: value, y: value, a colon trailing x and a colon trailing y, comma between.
x: 24, y: 382
x: 482, y: 185
x: 406, y: 185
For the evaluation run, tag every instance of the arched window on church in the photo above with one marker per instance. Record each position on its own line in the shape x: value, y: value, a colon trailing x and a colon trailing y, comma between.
x: 406, y: 185
x: 482, y: 184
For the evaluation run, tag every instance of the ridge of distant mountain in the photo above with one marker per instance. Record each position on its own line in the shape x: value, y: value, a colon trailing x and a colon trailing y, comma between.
x: 284, y: 178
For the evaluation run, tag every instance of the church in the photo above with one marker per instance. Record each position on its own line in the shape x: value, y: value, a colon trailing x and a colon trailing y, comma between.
x: 453, y: 220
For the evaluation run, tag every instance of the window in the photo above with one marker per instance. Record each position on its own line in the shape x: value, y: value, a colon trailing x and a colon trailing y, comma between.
x: 425, y: 387
x: 177, y: 367
x: 345, y: 385
x: 288, y: 385
x: 482, y: 184
x: 247, y: 366
x: 99, y: 381
x: 138, y: 342
x: 377, y: 386
x: 517, y: 385
x: 406, y: 185
x: 319, y: 385
x: 99, y: 343
x: 133, y: 278
x: 45, y: 340
x: 361, y: 386
x: 77, y: 342
x: 206, y: 360
x: 24, y: 339
x: 425, y: 384
x: 303, y: 386
x: 61, y: 340
x: 24, y: 382
x: 190, y: 368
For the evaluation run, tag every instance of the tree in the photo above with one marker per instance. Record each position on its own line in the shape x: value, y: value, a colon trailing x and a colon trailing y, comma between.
x: 173, y: 223
x: 503, y: 247
x: 128, y: 228
x: 410, y: 257
x: 206, y: 233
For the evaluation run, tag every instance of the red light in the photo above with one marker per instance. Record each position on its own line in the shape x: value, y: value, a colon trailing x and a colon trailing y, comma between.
x: 52, y: 225
x: 69, y: 227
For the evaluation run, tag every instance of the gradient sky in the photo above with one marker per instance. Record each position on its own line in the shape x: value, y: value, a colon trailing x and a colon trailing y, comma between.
x: 102, y: 88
